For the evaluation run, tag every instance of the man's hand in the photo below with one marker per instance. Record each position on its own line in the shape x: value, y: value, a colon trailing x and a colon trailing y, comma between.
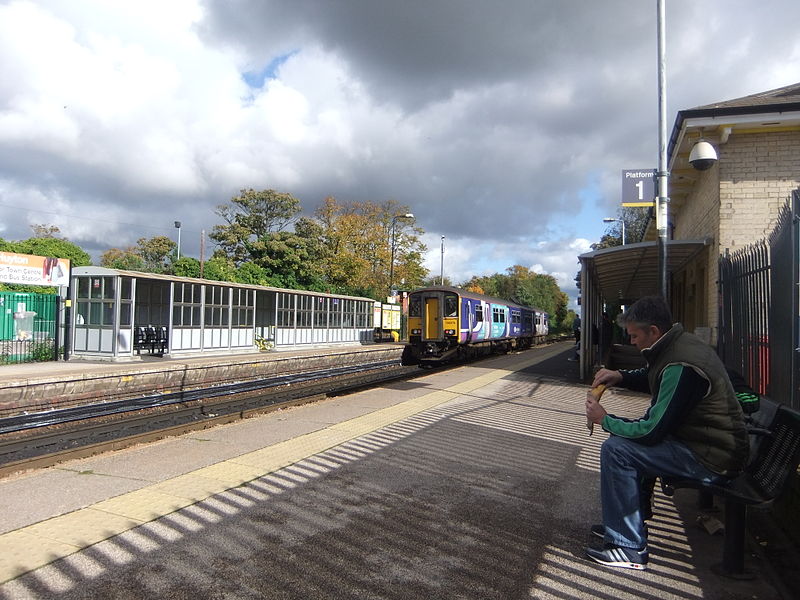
x: 595, y: 412
x: 606, y: 377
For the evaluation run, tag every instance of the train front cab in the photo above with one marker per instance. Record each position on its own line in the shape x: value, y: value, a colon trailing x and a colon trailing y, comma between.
x: 432, y: 325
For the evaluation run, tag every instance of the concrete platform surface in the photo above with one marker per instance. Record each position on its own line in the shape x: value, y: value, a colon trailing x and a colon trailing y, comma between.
x: 478, y: 482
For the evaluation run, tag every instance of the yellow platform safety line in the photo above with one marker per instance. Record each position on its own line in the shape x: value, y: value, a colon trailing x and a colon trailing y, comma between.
x: 35, y: 546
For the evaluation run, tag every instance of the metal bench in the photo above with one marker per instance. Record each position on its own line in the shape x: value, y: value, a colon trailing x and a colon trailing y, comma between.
x: 139, y: 339
x: 154, y: 340
x: 775, y: 455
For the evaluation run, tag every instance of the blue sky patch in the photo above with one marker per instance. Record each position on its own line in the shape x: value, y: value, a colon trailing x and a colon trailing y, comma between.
x: 256, y: 79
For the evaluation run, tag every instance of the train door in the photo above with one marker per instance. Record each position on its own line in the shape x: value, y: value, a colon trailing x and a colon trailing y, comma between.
x: 433, y: 321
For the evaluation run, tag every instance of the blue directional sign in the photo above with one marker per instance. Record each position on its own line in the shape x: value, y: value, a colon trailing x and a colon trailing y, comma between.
x: 638, y: 187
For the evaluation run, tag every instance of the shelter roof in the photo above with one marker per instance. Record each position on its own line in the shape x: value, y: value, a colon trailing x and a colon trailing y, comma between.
x: 629, y: 272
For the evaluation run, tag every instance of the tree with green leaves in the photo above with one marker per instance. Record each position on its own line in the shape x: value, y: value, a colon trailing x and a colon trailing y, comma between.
x: 156, y: 252
x: 356, y: 253
x: 126, y: 260
x: 249, y: 217
x: 250, y: 273
x: 287, y: 260
x: 186, y: 266
x: 55, y: 247
x: 150, y: 255
x: 219, y: 268
x: 635, y: 220
x: 521, y: 285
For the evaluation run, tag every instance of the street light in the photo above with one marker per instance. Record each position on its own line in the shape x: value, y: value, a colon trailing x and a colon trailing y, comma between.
x: 612, y: 220
x: 178, y: 227
x: 394, y: 235
x: 441, y: 270
x: 662, y: 200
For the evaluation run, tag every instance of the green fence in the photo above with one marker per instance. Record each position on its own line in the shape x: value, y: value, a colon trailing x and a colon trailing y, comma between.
x: 29, y: 330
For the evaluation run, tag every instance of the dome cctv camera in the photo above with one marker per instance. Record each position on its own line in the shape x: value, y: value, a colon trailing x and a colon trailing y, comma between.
x: 703, y: 156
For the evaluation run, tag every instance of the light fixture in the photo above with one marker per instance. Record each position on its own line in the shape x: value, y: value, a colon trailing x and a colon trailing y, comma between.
x: 613, y: 220
x: 178, y: 227
x: 394, y: 234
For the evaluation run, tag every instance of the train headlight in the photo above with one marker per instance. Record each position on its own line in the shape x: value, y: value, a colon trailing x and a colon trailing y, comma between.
x: 416, y: 332
x: 449, y: 331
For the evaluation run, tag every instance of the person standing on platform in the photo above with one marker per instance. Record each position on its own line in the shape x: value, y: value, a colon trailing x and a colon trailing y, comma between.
x: 576, y: 331
x: 693, y: 429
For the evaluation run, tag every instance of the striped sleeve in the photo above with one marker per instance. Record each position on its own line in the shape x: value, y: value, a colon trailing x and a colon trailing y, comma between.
x: 680, y: 388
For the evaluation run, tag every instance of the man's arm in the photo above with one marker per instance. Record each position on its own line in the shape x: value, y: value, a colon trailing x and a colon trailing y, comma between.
x: 679, y: 391
x: 633, y: 380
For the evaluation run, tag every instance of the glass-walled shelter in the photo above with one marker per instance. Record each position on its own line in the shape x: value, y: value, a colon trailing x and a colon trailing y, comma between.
x: 120, y: 314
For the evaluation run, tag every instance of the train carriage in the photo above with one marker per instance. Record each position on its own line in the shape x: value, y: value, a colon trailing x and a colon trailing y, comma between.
x: 447, y: 322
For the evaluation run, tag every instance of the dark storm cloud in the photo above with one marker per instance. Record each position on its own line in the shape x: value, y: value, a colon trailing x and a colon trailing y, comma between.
x: 417, y: 51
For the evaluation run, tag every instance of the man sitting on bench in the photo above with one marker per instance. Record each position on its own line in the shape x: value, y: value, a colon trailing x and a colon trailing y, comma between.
x: 693, y: 429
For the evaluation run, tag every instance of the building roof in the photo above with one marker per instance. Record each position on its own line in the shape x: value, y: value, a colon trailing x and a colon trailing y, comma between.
x: 781, y: 105
x: 760, y: 102
x: 772, y: 110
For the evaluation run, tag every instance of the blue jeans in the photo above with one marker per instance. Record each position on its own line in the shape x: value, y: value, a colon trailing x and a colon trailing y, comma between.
x: 623, y: 465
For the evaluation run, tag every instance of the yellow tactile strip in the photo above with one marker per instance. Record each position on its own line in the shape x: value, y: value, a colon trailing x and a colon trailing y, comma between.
x: 36, y: 545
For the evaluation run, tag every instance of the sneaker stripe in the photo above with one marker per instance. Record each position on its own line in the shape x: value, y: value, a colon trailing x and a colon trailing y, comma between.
x: 616, y: 556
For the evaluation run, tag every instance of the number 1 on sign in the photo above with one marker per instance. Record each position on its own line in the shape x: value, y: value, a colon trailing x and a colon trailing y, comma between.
x: 640, y: 185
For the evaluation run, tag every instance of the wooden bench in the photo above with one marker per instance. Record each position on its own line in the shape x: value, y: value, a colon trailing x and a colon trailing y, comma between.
x: 775, y: 454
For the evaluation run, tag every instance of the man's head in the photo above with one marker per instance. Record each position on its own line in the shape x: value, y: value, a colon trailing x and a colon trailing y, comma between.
x: 646, y: 320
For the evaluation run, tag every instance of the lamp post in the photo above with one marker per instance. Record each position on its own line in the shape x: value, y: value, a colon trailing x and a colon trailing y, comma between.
x: 394, y: 235
x: 178, y: 227
x: 662, y: 200
x: 612, y: 220
x: 441, y: 268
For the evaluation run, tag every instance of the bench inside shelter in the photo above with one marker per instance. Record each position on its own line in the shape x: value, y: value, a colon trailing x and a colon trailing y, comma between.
x: 153, y: 340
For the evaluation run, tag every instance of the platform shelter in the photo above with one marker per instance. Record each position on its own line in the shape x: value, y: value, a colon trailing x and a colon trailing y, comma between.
x: 113, y: 309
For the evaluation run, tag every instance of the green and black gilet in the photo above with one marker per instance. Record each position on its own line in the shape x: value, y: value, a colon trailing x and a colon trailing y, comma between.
x: 693, y: 401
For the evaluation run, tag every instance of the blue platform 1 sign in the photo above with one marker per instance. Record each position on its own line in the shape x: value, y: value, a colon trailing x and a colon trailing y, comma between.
x: 638, y: 187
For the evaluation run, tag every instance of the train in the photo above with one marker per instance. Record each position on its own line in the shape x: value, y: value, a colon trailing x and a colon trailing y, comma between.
x: 448, y: 323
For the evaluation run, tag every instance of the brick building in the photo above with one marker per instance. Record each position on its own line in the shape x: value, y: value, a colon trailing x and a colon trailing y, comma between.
x: 734, y: 203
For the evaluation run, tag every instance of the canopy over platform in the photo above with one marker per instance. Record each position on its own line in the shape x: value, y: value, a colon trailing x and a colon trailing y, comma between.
x: 626, y: 273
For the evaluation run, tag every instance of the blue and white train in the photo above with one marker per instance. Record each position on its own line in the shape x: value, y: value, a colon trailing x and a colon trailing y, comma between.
x: 447, y: 322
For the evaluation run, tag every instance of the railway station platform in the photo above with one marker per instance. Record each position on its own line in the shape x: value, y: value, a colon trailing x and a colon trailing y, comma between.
x: 475, y: 482
x: 34, y: 387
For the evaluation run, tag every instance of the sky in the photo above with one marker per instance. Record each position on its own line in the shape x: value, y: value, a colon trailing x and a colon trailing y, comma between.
x: 503, y: 126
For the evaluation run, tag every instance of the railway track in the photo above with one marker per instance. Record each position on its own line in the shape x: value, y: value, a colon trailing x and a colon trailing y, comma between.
x: 44, y: 439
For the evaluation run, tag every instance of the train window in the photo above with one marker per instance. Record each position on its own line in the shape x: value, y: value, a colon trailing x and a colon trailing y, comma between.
x: 515, y: 317
x: 451, y: 306
x: 414, y: 306
x: 479, y: 312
